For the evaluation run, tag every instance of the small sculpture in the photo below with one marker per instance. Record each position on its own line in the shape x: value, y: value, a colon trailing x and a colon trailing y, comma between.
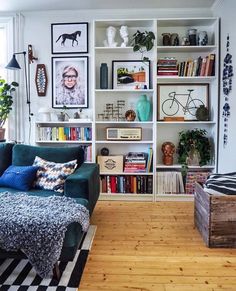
x: 105, y: 152
x: 124, y: 35
x: 130, y: 115
x: 168, y: 149
x: 111, y: 33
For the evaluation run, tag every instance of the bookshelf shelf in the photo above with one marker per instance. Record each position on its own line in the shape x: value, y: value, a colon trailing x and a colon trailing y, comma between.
x: 123, y: 91
x: 126, y: 174
x: 178, y: 166
x: 126, y: 196
x: 186, y: 49
x: 161, y: 79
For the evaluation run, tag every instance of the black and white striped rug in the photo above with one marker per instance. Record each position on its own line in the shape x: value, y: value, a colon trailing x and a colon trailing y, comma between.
x: 19, y: 274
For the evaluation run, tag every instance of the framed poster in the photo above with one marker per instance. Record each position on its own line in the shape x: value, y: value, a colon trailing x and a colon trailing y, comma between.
x: 181, y: 100
x: 70, y: 82
x: 130, y: 75
x: 69, y: 38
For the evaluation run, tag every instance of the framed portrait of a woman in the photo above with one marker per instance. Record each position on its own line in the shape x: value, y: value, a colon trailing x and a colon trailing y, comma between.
x: 70, y: 82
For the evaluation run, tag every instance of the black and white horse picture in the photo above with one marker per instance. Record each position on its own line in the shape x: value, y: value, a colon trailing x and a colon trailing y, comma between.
x: 72, y: 36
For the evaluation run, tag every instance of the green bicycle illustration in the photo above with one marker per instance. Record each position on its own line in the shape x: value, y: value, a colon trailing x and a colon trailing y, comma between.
x: 171, y: 106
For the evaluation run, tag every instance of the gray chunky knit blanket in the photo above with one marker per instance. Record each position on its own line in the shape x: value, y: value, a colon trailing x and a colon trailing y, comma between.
x: 37, y: 225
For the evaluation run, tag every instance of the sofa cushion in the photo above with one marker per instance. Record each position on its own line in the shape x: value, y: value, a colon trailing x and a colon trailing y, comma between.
x: 19, y: 177
x: 24, y: 155
x: 51, y: 176
x: 5, y: 156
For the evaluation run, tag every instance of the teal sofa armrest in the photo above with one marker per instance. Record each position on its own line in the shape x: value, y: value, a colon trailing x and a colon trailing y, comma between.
x: 84, y: 183
x: 5, y: 156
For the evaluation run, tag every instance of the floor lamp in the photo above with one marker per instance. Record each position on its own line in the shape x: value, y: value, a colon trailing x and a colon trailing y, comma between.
x: 14, y: 65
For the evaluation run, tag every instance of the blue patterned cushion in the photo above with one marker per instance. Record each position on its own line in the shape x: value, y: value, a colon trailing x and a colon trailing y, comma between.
x: 19, y: 177
x: 51, y: 176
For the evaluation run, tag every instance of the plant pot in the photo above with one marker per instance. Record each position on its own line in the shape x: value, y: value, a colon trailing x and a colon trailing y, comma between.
x: 2, y: 133
x: 202, y: 113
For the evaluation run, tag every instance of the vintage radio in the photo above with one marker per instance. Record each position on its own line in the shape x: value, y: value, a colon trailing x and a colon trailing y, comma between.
x: 130, y: 133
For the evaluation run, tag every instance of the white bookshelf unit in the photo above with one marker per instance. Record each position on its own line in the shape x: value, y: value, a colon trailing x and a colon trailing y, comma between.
x: 154, y: 131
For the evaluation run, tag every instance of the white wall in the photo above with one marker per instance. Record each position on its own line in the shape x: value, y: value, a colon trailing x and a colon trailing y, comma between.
x: 225, y: 9
x: 37, y: 32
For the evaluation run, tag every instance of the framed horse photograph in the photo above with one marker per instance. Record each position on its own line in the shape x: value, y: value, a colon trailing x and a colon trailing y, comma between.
x: 69, y: 38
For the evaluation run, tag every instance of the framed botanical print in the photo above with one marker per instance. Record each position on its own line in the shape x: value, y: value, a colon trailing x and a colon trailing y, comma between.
x: 70, y: 82
x: 69, y: 38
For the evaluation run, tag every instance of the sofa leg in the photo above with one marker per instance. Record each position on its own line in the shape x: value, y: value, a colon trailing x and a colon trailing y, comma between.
x: 56, y: 272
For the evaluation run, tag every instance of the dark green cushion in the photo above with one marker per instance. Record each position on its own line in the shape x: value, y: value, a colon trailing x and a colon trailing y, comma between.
x: 5, y: 156
x: 24, y: 155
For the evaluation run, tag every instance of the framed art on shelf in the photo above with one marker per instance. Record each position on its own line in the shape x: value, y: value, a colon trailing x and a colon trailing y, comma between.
x: 70, y: 82
x: 130, y: 75
x: 181, y: 101
x: 69, y: 38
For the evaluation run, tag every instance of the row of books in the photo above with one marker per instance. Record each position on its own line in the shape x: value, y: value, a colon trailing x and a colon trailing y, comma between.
x: 87, y: 152
x: 202, y: 66
x: 65, y: 133
x: 126, y: 184
x: 172, y: 182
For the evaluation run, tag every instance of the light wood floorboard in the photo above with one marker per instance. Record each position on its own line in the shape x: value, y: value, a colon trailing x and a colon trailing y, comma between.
x: 153, y: 247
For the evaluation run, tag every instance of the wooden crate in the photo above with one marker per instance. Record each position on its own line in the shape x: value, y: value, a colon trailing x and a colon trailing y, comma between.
x: 215, y: 218
x: 110, y: 164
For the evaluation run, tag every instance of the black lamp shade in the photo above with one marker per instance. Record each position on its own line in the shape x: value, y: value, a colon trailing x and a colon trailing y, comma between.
x: 13, y: 64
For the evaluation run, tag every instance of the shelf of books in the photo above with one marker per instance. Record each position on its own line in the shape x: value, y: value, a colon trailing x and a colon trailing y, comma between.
x: 174, y: 184
x: 66, y: 133
x: 127, y: 177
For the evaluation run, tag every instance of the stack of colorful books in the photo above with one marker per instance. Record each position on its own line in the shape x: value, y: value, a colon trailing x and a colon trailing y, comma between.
x: 167, y: 67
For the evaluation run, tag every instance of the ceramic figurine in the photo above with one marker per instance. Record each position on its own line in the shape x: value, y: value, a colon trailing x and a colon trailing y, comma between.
x: 124, y: 35
x: 111, y: 33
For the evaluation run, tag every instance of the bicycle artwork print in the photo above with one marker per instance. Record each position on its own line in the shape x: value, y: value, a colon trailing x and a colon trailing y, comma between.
x: 181, y: 101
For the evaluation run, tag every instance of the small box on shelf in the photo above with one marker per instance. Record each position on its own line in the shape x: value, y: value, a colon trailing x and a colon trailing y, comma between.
x: 110, y: 164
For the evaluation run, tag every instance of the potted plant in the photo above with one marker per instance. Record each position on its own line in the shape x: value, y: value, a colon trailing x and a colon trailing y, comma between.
x: 6, y: 101
x: 194, y: 147
x: 142, y: 42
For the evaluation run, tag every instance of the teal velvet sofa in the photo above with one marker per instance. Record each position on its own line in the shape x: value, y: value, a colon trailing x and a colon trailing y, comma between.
x: 82, y: 185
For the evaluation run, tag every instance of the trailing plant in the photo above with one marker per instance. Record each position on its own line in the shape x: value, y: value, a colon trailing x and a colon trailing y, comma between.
x: 142, y: 42
x: 6, y: 99
x: 194, y: 139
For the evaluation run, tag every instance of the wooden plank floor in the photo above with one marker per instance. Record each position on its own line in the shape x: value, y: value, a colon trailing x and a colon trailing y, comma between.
x: 151, y: 247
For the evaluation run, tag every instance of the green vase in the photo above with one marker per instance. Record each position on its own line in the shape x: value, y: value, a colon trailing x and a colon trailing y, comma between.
x: 143, y: 108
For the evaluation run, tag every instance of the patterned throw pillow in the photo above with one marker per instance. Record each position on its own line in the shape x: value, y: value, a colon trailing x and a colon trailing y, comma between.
x: 51, y: 176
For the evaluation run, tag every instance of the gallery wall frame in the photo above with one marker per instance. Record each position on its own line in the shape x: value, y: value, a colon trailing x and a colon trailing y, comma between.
x: 69, y: 38
x: 181, y: 100
x: 70, y: 82
x: 130, y: 74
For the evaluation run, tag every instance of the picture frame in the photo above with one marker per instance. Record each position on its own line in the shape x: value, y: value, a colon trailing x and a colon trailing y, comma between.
x: 192, y: 95
x: 130, y: 74
x: 69, y: 38
x: 70, y: 82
